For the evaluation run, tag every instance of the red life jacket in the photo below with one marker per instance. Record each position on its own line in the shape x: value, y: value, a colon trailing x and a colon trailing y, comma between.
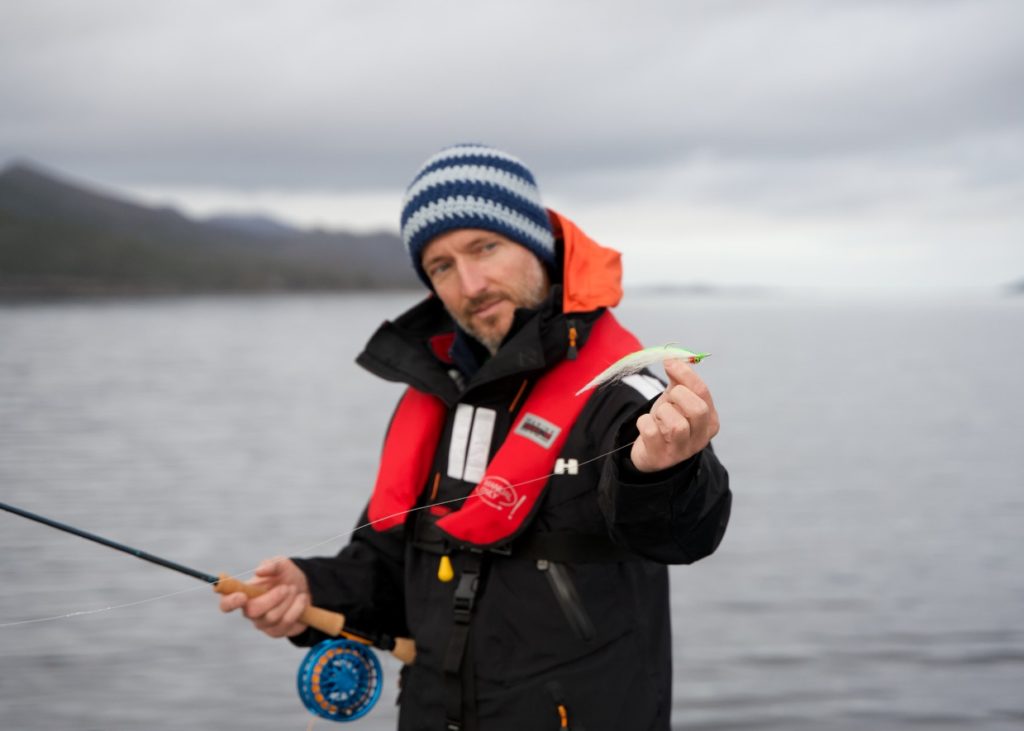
x: 516, y: 477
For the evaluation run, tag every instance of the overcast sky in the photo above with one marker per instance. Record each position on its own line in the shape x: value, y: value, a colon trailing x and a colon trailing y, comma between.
x: 839, y: 144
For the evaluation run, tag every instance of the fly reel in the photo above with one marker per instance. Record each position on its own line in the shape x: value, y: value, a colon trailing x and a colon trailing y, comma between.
x: 340, y: 680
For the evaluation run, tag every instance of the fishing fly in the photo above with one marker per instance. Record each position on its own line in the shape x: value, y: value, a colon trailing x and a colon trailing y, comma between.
x: 637, y: 361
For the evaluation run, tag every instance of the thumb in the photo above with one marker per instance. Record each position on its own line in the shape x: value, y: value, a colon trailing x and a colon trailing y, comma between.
x: 678, y: 372
x: 270, y: 568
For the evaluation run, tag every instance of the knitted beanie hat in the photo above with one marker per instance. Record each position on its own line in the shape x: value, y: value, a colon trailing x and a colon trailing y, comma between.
x: 475, y: 186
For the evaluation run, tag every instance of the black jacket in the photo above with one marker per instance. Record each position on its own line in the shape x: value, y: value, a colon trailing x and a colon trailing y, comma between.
x: 577, y: 613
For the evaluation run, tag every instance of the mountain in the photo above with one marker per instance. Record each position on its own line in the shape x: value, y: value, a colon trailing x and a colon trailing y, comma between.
x: 63, y: 238
x: 260, y: 225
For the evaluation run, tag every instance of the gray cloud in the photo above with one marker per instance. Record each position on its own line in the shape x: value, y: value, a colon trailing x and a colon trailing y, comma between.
x: 351, y: 95
x: 790, y: 109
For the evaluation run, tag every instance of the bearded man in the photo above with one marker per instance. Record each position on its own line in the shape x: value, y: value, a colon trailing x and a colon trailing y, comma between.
x: 520, y: 532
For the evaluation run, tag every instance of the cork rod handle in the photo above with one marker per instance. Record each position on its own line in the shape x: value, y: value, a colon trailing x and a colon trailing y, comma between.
x: 330, y: 623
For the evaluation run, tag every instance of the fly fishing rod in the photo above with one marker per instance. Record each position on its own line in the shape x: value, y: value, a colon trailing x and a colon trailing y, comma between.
x: 339, y: 679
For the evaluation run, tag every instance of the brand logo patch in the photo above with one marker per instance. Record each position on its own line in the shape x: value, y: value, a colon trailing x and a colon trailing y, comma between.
x: 538, y: 430
x: 498, y: 493
x: 567, y: 466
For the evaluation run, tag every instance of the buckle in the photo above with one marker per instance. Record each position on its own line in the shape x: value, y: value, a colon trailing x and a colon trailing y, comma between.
x: 465, y: 595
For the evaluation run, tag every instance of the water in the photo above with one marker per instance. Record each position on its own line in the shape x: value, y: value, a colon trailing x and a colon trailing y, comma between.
x: 871, y: 577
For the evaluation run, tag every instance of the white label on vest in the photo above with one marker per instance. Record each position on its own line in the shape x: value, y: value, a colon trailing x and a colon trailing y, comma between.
x: 459, y: 440
x: 479, y: 451
x: 538, y: 430
x: 647, y: 387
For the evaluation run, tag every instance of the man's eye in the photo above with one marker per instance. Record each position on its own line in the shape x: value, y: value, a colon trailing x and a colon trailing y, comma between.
x: 436, y: 270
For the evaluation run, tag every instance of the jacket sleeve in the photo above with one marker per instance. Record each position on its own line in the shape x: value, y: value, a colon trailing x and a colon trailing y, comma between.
x: 674, y: 516
x: 363, y: 581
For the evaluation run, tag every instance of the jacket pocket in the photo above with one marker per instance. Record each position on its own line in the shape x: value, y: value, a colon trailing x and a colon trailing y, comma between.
x: 568, y: 598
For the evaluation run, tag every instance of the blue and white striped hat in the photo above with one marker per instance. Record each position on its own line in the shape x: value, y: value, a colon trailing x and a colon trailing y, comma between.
x: 475, y: 186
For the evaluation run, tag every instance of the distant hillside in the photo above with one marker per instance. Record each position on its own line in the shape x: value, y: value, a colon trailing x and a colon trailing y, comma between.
x: 261, y: 225
x: 59, y: 238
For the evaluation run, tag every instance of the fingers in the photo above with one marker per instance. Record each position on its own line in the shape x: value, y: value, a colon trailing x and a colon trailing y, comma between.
x: 269, y: 608
x: 232, y: 602
x: 681, y: 422
x: 681, y: 373
x: 278, y: 609
x: 277, y: 612
x: 671, y: 421
x: 684, y: 384
x: 271, y: 568
x: 680, y: 399
x: 290, y: 623
x: 280, y: 570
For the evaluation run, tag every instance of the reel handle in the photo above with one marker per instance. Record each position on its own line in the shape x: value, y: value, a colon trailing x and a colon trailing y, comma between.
x: 328, y: 622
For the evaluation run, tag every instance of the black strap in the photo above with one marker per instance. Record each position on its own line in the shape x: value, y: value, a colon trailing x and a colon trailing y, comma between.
x: 457, y: 673
x: 571, y: 548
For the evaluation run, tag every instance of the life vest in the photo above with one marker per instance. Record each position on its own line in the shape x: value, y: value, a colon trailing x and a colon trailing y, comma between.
x: 514, y: 480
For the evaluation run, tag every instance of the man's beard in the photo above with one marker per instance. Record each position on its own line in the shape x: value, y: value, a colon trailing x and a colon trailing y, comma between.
x: 530, y: 292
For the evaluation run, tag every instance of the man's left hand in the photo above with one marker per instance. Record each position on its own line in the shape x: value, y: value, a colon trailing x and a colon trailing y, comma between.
x: 680, y: 423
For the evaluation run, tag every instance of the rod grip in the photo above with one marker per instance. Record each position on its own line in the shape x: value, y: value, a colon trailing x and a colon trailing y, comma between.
x: 330, y: 623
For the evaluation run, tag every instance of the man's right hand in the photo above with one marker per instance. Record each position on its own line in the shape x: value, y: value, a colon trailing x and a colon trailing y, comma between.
x: 275, y: 612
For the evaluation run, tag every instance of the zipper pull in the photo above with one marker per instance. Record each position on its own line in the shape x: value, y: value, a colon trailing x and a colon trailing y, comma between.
x: 571, y: 354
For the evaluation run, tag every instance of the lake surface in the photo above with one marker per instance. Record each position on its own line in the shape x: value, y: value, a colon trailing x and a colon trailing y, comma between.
x: 872, y: 576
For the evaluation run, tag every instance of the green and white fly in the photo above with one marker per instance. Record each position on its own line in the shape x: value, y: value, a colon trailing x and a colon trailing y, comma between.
x: 636, y: 362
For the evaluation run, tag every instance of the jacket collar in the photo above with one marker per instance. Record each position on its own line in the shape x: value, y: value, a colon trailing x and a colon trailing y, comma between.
x: 414, y: 348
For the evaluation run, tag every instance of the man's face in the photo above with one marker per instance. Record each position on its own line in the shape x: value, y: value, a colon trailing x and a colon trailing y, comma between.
x: 482, y: 277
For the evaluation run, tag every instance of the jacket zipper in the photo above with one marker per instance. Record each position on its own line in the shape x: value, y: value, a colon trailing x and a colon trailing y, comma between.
x: 555, y: 689
x: 568, y: 598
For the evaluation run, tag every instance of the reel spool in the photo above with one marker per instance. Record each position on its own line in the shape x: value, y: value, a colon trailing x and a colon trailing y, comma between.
x: 340, y: 680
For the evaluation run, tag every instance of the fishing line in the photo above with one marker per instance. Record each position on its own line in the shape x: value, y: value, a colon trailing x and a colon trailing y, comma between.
x: 302, y: 550
x: 467, y: 497
x: 86, y: 612
x: 340, y: 678
x: 615, y: 371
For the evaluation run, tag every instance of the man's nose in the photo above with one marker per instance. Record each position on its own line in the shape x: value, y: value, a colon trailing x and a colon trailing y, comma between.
x: 472, y: 279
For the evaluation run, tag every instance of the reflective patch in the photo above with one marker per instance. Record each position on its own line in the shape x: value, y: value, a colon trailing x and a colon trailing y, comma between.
x: 470, y: 444
x: 459, y: 440
x: 479, y: 451
x: 647, y: 386
x: 538, y: 430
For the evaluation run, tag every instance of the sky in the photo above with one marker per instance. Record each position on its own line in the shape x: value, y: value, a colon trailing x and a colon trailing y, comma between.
x: 842, y: 144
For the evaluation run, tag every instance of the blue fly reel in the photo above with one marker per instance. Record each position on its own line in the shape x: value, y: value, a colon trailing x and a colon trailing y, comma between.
x: 340, y: 680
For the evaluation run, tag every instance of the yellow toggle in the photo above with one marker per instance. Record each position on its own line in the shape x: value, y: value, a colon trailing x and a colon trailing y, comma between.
x: 445, y: 572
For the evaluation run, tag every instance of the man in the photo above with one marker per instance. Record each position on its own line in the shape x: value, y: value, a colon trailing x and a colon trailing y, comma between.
x: 531, y: 569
